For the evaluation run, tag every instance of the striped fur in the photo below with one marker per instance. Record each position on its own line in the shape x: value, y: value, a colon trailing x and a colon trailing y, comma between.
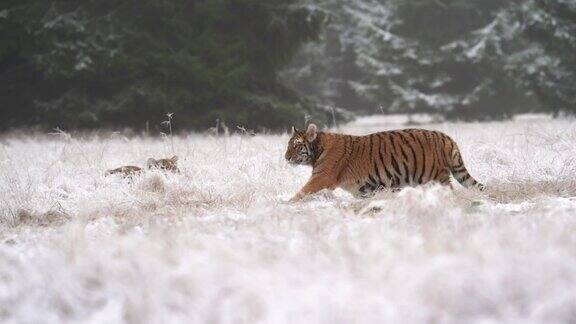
x: 125, y: 171
x: 170, y: 164
x: 385, y: 160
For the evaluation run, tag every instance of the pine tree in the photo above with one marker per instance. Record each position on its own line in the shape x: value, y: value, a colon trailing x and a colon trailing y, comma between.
x: 547, y: 68
x: 418, y: 56
x: 98, y: 63
x: 530, y: 43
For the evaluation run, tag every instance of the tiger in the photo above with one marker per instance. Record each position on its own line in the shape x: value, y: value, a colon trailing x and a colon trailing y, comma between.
x: 170, y: 164
x: 390, y: 160
x: 125, y: 171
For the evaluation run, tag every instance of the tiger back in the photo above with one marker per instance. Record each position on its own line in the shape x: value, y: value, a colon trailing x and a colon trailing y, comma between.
x: 170, y: 164
x: 364, y: 164
x: 125, y: 171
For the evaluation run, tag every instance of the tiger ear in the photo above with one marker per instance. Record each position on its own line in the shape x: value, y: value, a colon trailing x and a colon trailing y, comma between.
x: 293, y: 130
x: 174, y: 158
x: 311, y: 132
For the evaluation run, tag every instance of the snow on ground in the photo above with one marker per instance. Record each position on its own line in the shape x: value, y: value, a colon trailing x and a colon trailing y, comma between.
x: 219, y: 244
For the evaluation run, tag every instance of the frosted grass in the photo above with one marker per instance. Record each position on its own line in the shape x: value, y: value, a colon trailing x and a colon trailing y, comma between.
x: 217, y: 243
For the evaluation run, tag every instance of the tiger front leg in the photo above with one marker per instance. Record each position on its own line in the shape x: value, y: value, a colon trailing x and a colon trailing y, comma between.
x: 313, y: 186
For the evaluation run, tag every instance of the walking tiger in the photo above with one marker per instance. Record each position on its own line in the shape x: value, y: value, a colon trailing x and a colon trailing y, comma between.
x: 364, y: 164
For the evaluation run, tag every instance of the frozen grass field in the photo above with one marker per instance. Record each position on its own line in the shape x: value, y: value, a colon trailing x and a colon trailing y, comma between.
x: 218, y: 244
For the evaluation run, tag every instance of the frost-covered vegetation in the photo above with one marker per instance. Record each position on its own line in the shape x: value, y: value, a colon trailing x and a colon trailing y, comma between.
x: 217, y: 243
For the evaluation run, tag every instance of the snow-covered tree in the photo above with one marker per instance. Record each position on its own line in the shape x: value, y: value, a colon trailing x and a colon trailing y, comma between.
x: 417, y: 56
x: 532, y: 45
x: 547, y: 65
x: 98, y: 63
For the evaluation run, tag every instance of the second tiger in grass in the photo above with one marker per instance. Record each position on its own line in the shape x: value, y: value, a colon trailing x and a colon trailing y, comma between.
x: 364, y: 164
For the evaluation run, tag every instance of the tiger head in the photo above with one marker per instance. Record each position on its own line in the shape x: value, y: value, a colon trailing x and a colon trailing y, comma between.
x: 170, y: 164
x: 301, y: 147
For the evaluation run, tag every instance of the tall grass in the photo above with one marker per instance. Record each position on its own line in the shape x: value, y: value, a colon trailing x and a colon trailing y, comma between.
x: 218, y: 242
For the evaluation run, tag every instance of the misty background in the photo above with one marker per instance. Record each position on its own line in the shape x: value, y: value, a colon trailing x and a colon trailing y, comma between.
x: 268, y: 64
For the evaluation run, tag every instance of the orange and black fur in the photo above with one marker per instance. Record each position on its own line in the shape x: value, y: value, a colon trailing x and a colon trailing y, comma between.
x: 125, y: 171
x: 364, y: 164
x: 170, y: 164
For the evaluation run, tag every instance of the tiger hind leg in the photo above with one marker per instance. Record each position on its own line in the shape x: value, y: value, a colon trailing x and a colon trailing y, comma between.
x: 444, y: 179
